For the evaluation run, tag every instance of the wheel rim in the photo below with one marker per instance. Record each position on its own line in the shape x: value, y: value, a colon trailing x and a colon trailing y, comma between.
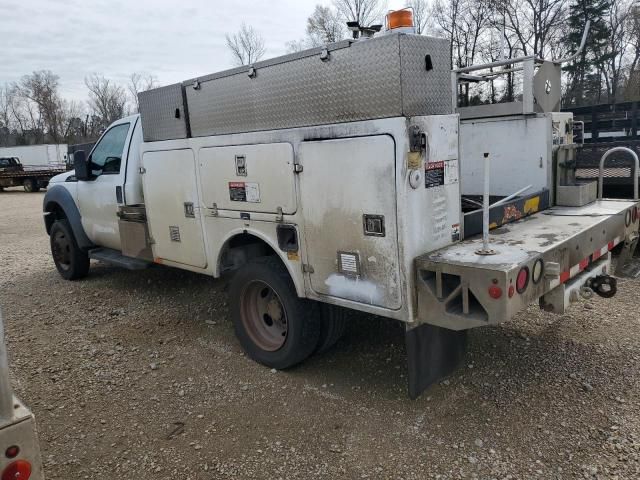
x: 264, y: 316
x: 61, y: 250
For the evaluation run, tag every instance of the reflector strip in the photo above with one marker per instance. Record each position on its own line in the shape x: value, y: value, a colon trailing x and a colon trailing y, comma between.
x: 584, y: 263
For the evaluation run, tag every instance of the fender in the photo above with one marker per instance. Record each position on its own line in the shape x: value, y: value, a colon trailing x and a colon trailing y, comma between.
x: 261, y: 236
x: 58, y: 196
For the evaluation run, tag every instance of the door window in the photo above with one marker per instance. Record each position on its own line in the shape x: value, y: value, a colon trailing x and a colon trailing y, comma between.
x: 107, y: 154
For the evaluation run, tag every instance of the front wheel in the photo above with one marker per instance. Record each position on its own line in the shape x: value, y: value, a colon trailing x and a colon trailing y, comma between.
x: 71, y: 261
x: 274, y: 326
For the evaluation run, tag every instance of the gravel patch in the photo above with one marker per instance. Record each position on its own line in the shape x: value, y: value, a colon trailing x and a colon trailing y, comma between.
x: 138, y: 374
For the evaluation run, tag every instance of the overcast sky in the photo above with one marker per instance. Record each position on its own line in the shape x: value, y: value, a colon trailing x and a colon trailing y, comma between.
x: 173, y: 40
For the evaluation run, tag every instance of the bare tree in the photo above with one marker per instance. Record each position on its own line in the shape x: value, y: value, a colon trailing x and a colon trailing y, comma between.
x: 420, y: 14
x: 325, y: 26
x: 41, y: 99
x: 107, y: 100
x: 140, y: 82
x: 247, y: 45
x: 365, y: 12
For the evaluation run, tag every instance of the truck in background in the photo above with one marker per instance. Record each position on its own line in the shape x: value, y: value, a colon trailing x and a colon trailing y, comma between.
x: 329, y: 179
x: 14, y: 174
x: 37, y: 156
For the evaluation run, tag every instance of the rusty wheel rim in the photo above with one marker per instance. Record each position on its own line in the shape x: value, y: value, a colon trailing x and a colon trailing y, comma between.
x: 61, y: 247
x: 263, y: 316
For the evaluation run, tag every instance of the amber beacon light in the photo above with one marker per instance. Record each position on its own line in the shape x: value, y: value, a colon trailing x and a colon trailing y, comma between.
x: 400, y: 19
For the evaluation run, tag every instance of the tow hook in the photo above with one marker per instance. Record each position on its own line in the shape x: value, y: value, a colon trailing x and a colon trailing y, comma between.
x: 604, y: 285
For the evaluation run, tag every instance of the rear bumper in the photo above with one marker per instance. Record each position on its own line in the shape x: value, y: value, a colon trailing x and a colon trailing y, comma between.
x: 458, y: 289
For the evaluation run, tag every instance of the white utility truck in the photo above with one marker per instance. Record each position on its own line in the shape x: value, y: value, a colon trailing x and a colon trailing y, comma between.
x: 330, y: 179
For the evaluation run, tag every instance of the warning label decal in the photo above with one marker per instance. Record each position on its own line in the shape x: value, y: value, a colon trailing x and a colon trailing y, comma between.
x: 434, y: 174
x: 244, y: 192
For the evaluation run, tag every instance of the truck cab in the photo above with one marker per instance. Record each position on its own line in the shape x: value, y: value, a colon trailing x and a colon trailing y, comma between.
x: 10, y: 164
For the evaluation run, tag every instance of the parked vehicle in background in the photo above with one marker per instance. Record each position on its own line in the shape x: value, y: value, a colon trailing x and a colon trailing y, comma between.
x: 40, y: 156
x: 19, y: 450
x: 14, y: 174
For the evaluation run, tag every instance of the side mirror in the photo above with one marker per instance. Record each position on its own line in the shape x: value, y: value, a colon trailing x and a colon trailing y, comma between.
x: 81, y: 165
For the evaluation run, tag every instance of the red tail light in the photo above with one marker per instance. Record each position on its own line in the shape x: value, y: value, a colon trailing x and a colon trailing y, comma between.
x: 634, y: 215
x: 18, y: 470
x: 495, y: 291
x: 522, y: 281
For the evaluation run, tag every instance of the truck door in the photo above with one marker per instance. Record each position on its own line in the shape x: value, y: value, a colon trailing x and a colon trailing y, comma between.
x: 348, y: 197
x: 99, y: 198
x: 173, y: 207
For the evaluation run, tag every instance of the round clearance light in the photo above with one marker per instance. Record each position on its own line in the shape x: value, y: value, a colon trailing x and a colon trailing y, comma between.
x: 522, y: 281
x: 538, y: 270
x: 627, y: 218
x: 20, y: 469
x: 511, y: 291
x: 495, y: 292
x: 634, y: 215
x: 12, y: 452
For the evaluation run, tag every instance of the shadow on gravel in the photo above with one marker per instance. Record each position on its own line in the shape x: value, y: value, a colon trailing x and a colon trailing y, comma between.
x: 502, y: 367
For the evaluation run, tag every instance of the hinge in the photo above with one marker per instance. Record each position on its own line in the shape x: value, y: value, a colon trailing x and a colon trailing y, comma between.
x: 214, y: 210
x: 297, y: 168
x: 152, y: 241
x: 306, y: 268
x: 142, y: 170
x: 280, y: 215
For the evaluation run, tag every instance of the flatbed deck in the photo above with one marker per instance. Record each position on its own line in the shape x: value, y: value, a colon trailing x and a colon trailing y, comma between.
x: 546, y: 231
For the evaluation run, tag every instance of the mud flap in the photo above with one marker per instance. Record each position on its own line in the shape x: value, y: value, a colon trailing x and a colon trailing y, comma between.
x: 432, y: 353
x: 627, y: 266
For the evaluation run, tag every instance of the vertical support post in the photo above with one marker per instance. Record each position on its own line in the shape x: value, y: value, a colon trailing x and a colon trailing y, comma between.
x: 594, y: 125
x: 527, y: 86
x: 454, y: 92
x: 634, y: 120
x: 6, y: 393
x: 486, y: 197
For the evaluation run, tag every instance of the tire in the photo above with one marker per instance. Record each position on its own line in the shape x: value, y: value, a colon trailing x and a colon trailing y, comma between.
x: 71, y: 261
x: 30, y: 185
x: 274, y: 326
x: 334, y: 323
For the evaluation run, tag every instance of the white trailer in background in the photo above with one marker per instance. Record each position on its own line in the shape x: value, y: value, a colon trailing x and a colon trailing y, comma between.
x: 19, y: 449
x: 37, y: 155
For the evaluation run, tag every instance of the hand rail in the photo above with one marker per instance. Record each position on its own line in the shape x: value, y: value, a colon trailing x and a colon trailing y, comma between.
x: 6, y: 393
x: 636, y: 168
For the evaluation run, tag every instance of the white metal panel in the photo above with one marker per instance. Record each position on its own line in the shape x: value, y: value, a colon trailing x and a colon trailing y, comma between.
x: 342, y: 181
x: 169, y: 183
x: 268, y: 182
x: 520, y: 152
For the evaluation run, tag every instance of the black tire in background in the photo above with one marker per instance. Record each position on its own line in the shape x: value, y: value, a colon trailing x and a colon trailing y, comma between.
x: 70, y: 260
x: 274, y: 326
x: 31, y: 185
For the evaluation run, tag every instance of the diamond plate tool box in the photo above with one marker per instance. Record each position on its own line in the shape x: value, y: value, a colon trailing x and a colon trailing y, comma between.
x: 388, y: 76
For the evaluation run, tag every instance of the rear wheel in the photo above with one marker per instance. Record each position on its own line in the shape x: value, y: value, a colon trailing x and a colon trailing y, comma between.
x: 30, y: 185
x: 71, y: 261
x: 334, y: 323
x: 274, y: 326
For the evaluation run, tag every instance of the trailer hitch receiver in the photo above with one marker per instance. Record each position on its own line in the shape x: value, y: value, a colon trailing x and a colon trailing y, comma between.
x: 604, y: 285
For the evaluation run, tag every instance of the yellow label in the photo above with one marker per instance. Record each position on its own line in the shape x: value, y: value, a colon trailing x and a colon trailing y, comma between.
x: 295, y: 256
x: 414, y: 161
x: 532, y: 205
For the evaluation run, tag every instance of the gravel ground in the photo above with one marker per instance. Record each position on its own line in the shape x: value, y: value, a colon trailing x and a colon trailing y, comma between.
x: 138, y: 375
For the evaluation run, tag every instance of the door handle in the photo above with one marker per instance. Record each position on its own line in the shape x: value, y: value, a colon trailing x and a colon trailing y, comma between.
x: 189, y: 211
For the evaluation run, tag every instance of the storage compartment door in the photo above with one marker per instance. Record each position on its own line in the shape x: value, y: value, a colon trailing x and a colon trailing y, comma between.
x: 173, y: 212
x: 348, y: 197
x: 249, y: 178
